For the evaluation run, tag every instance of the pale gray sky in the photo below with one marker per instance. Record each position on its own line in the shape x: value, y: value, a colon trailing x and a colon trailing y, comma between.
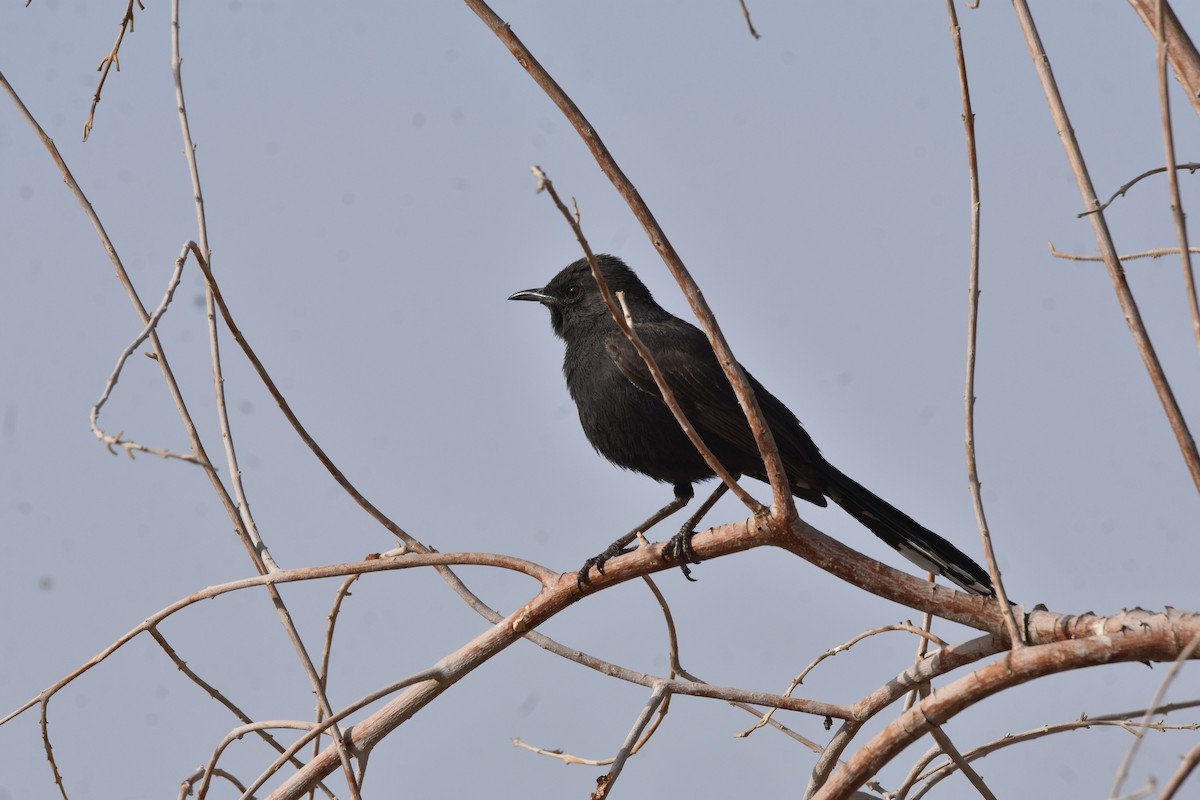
x: 366, y: 172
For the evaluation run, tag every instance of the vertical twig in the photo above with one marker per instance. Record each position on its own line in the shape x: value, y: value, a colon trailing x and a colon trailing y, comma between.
x: 342, y: 593
x: 1058, y: 110
x: 1164, y: 97
x: 968, y: 118
x: 262, y: 555
x: 922, y: 649
x: 189, y: 152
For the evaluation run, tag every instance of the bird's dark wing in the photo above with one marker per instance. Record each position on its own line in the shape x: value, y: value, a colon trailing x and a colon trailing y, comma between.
x: 687, y: 362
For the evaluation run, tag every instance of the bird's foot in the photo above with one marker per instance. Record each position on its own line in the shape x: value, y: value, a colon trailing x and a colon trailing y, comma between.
x: 617, y: 548
x: 679, y: 549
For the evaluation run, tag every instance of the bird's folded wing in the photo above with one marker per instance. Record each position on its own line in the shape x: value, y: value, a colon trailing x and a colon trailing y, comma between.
x: 690, y: 368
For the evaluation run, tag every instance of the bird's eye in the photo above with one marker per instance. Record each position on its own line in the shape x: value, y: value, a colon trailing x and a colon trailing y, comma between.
x: 573, y: 291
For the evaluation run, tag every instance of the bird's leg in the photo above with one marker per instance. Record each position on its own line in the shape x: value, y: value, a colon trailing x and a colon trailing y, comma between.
x: 683, y: 495
x: 679, y: 549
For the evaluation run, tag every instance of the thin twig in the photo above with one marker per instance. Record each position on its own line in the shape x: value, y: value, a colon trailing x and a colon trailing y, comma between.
x: 968, y: 118
x: 678, y: 669
x: 236, y: 734
x: 842, y: 648
x: 44, y: 725
x: 1164, y: 97
x: 558, y: 755
x: 1191, y: 166
x: 624, y: 323
x: 749, y: 24
x: 1158, y: 253
x: 109, y: 440
x: 1108, y: 250
x: 939, y: 773
x: 655, y: 700
x: 109, y: 61
x: 539, y: 573
x: 262, y: 556
x: 948, y: 747
x: 342, y: 593
x: 186, y: 786
x: 204, y: 254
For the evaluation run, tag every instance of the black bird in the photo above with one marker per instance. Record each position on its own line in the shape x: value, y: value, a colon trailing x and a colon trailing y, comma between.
x: 625, y: 419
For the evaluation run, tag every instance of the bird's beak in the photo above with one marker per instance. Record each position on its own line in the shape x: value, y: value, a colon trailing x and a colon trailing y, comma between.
x: 532, y: 294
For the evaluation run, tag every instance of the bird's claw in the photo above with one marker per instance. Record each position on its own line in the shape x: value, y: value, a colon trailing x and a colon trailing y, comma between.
x: 679, y: 549
x: 581, y: 578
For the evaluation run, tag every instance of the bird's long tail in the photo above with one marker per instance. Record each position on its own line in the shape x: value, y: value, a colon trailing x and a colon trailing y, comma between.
x: 914, y: 541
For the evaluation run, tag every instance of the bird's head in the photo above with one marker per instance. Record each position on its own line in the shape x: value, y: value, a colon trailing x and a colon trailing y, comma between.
x: 575, y: 301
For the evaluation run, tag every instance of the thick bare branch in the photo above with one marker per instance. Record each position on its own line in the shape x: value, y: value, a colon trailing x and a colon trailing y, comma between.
x: 1181, y: 51
x: 1133, y: 636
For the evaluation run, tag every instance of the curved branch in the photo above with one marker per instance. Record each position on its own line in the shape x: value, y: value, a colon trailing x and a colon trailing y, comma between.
x: 1133, y: 638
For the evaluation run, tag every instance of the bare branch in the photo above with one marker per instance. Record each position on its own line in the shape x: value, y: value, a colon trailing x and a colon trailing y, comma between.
x: 109, y: 440
x: 109, y: 61
x: 1164, y: 99
x: 968, y: 118
x: 1108, y: 250
x: 1181, y: 52
x: 655, y: 700
x: 1191, y: 166
x: 342, y: 593
x: 204, y: 254
x: 924, y: 635
x: 1159, y: 253
x: 947, y: 746
x: 1121, y: 720
x: 749, y: 24
x: 236, y: 734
